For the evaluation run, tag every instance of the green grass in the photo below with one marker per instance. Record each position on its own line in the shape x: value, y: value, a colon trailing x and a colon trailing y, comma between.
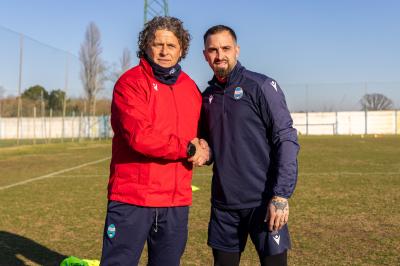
x: 344, y: 210
x: 24, y: 142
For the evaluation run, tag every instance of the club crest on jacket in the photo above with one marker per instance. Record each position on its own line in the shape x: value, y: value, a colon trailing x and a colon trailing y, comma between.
x: 238, y: 93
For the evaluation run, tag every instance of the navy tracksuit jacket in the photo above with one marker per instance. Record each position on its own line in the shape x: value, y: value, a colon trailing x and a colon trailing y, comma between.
x: 249, y: 129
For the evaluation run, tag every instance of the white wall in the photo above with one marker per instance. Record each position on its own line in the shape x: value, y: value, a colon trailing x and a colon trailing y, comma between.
x: 347, y: 123
x: 318, y: 123
x: 41, y: 128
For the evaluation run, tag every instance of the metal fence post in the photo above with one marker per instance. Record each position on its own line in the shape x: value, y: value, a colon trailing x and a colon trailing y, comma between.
x: 50, y: 122
x: 307, y: 123
x: 72, y: 126
x: 366, y: 122
x: 336, y: 123
x: 21, y: 53
x: 34, y: 125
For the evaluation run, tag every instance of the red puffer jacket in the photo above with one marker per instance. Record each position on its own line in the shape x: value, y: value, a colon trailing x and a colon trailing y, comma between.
x: 153, y: 123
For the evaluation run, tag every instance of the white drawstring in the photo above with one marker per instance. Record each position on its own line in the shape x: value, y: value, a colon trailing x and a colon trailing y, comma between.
x: 156, y: 226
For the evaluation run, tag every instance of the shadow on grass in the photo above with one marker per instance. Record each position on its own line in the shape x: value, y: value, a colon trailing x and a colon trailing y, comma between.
x: 16, y: 250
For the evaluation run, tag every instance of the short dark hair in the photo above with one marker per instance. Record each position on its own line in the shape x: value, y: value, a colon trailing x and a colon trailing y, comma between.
x: 146, y: 36
x: 217, y: 29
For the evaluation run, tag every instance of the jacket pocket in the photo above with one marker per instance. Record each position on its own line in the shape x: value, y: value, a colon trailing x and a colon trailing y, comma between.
x: 127, y: 173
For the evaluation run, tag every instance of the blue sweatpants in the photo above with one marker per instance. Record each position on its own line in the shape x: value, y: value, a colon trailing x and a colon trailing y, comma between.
x: 128, y: 227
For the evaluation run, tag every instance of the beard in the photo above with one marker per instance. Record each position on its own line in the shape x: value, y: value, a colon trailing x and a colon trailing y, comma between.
x: 223, y: 73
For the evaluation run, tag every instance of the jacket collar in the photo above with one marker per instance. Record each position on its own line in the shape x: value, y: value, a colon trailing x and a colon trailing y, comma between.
x: 233, y: 78
x: 149, y: 70
x: 146, y: 66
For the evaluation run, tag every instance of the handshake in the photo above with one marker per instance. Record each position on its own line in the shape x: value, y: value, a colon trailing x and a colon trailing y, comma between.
x: 202, y: 154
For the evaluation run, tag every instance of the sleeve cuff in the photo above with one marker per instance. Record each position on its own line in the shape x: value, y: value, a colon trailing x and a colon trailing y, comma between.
x: 183, y: 149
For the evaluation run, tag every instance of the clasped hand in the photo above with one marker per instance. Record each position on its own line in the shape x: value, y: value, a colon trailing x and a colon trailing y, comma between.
x: 202, y: 154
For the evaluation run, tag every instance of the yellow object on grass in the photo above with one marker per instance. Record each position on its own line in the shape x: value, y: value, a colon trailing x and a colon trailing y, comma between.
x: 194, y: 188
x: 92, y: 262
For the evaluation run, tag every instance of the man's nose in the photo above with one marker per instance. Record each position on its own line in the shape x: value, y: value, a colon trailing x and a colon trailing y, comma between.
x: 220, y: 54
x: 163, y: 50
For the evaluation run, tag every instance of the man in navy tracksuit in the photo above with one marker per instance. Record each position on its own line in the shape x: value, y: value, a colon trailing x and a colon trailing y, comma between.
x: 248, y: 126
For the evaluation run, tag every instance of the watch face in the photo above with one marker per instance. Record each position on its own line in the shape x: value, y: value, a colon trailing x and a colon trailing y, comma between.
x: 191, y: 150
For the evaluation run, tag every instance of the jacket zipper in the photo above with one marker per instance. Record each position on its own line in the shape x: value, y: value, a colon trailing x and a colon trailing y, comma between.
x: 177, y: 133
x: 223, y: 97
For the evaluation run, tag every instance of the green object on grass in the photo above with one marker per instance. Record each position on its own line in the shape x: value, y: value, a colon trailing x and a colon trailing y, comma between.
x: 74, y: 261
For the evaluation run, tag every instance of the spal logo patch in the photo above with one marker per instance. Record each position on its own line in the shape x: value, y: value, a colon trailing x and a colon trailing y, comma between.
x: 238, y: 93
x: 111, y: 231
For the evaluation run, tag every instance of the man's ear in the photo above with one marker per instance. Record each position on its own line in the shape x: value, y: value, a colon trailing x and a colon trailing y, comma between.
x: 204, y: 53
x: 237, y: 51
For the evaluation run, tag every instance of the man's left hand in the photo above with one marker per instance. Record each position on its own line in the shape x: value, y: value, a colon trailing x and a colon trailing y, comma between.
x: 277, y: 213
x: 202, y: 154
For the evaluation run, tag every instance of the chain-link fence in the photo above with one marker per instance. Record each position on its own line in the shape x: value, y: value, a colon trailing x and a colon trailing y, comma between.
x: 46, y: 78
x: 41, y: 93
x: 42, y: 82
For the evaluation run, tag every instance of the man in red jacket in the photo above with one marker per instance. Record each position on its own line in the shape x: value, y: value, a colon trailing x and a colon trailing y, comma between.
x: 154, y: 116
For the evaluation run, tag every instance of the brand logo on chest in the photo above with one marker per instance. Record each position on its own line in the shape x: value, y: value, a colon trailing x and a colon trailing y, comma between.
x: 155, y: 87
x: 210, y: 98
x: 273, y: 84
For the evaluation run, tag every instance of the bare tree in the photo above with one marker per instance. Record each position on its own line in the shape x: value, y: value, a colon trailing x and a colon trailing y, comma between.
x: 93, y: 71
x: 376, y: 101
x: 125, y: 63
x: 126, y: 60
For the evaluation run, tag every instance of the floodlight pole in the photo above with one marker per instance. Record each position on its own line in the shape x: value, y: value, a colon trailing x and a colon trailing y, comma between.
x: 145, y: 11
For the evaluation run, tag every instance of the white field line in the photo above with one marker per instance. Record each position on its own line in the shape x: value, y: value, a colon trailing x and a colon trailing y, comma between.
x: 89, y: 175
x: 107, y: 174
x: 301, y: 173
x: 203, y: 174
x: 350, y: 173
x: 332, y: 173
x: 53, y: 174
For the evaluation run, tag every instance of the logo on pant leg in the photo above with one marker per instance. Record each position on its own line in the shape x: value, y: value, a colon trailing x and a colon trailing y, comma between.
x: 276, y: 237
x: 111, y: 231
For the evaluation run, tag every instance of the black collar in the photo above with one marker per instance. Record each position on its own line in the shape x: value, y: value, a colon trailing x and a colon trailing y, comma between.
x: 166, y: 75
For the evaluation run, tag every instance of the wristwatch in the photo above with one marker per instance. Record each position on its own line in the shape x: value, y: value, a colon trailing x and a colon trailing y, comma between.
x: 190, y: 150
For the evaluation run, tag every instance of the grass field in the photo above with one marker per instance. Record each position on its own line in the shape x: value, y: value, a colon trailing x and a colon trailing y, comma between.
x: 344, y: 211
